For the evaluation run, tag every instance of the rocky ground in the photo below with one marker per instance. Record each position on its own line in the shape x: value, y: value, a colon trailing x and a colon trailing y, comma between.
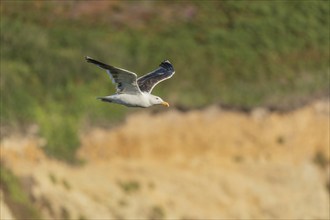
x: 209, y: 163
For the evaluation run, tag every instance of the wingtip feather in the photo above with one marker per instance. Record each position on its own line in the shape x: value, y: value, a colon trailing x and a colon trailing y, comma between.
x: 167, y: 65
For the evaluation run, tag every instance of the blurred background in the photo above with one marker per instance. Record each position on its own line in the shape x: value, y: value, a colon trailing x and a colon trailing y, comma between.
x: 246, y: 137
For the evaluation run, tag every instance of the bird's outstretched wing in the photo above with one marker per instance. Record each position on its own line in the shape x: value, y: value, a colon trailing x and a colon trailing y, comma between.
x: 149, y: 81
x: 125, y: 80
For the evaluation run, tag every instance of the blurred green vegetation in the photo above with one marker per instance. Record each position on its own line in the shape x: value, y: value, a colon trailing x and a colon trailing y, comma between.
x: 15, y: 196
x: 239, y: 53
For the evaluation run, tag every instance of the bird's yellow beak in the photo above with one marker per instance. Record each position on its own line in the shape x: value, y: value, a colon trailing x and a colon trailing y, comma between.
x: 166, y: 104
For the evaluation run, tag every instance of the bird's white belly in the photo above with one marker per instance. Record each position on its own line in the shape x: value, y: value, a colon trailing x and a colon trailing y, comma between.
x: 131, y: 100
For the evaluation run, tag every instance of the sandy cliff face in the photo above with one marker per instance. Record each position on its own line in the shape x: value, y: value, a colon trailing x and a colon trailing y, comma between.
x: 201, y: 164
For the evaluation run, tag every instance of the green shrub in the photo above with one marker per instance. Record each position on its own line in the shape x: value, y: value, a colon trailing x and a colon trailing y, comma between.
x: 15, y: 197
x: 129, y: 186
x: 61, y: 133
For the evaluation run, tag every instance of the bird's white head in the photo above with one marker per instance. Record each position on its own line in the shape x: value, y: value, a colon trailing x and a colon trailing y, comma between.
x: 155, y: 100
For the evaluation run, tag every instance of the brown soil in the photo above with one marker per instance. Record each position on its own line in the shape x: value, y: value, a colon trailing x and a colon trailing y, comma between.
x: 207, y: 164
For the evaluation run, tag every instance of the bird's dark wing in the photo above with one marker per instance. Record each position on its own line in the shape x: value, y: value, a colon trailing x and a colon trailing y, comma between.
x: 147, y: 82
x: 125, y: 80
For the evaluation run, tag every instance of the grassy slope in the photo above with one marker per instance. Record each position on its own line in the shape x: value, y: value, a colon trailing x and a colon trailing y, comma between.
x: 238, y: 53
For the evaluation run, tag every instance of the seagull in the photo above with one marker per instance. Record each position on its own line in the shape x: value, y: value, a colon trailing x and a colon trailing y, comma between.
x: 132, y: 91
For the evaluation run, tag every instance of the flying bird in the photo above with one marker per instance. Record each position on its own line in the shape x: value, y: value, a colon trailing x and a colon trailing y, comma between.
x: 132, y: 91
